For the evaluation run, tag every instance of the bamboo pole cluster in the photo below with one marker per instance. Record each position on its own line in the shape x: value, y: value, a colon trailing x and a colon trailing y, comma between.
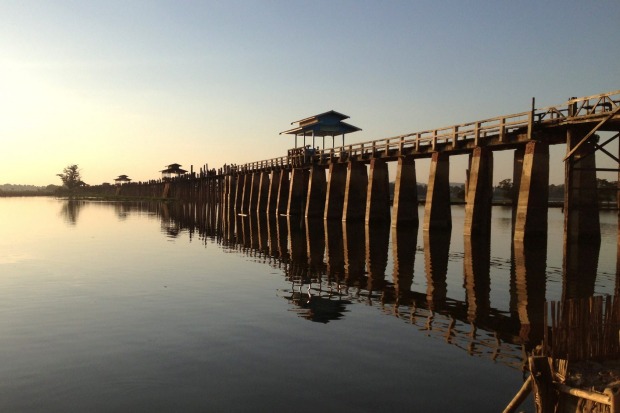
x: 583, y: 329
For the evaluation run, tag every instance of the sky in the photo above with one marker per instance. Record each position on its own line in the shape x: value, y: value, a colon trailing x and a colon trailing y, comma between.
x: 127, y: 87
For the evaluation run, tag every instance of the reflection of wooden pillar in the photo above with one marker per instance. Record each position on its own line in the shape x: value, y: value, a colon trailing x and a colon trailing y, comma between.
x: 335, y: 249
x: 436, y: 251
x: 580, y: 267
x: 263, y: 232
x: 405, y: 193
x: 581, y: 216
x: 355, y: 192
x: 282, y: 234
x: 476, y: 270
x: 437, y: 209
x: 274, y: 185
x: 315, y: 243
x: 528, y: 286
x: 334, y: 202
x: 404, y: 243
x: 297, y: 241
x: 377, y: 245
x: 283, y: 190
x: 353, y: 240
x: 297, y: 192
x: 378, y: 193
x: 479, y: 193
x: 272, y: 229
x: 533, y: 192
x: 263, y: 192
x: 317, y: 186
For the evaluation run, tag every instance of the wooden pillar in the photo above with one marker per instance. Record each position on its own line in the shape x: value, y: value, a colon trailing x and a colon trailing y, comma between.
x: 334, y: 201
x: 283, y: 190
x: 263, y: 192
x: 354, y: 207
x: 232, y: 191
x: 247, y: 189
x: 405, y: 193
x: 239, y: 191
x: 297, y: 192
x: 516, y: 182
x: 254, y: 191
x: 581, y: 215
x: 533, y: 200
x: 274, y: 185
x: 437, y: 212
x: 317, y: 187
x: 479, y: 195
x: 378, y: 193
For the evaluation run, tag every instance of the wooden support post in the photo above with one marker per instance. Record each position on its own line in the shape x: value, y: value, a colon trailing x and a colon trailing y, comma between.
x: 297, y: 192
x: 354, y: 207
x: 405, y: 194
x: 533, y: 192
x: 437, y: 212
x: 254, y: 191
x: 581, y: 215
x: 274, y: 185
x: 239, y: 193
x: 317, y: 187
x: 378, y: 193
x: 247, y: 190
x: 283, y: 190
x: 479, y: 195
x: 334, y: 200
x: 517, y: 171
x: 263, y: 192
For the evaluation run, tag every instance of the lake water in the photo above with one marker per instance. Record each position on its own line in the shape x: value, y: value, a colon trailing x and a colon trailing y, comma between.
x: 144, y: 307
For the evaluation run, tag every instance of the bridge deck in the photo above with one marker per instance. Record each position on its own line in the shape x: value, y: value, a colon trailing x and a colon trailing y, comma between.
x: 502, y: 132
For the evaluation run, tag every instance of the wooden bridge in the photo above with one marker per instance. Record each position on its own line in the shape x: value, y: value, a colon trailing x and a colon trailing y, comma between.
x: 357, y: 186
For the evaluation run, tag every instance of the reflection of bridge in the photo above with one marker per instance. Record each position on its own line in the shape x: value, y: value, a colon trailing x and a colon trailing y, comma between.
x: 331, y: 265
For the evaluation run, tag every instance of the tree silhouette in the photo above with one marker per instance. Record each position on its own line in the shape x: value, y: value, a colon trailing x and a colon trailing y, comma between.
x: 71, y: 178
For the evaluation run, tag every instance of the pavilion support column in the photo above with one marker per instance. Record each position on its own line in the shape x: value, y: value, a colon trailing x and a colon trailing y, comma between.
x: 297, y: 192
x: 405, y: 193
x: 283, y: 190
x: 581, y: 215
x: 334, y: 202
x: 254, y: 190
x: 263, y: 192
x: 378, y: 193
x: 239, y: 193
x: 532, y: 205
x: 479, y: 195
x: 354, y: 207
x: 437, y: 214
x: 272, y: 198
x: 317, y: 188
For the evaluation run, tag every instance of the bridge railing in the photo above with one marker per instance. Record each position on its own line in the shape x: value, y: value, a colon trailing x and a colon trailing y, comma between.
x: 454, y: 135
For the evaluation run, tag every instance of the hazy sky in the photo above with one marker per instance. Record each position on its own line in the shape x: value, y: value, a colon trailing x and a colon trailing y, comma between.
x: 127, y: 87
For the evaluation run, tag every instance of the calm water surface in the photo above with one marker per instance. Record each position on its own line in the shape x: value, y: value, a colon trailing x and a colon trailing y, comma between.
x: 138, y: 307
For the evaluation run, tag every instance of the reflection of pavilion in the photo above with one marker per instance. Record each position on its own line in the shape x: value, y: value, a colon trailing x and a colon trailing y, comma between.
x: 317, y: 305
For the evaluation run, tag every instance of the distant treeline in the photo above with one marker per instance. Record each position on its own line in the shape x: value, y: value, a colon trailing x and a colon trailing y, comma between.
x: 28, y: 190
